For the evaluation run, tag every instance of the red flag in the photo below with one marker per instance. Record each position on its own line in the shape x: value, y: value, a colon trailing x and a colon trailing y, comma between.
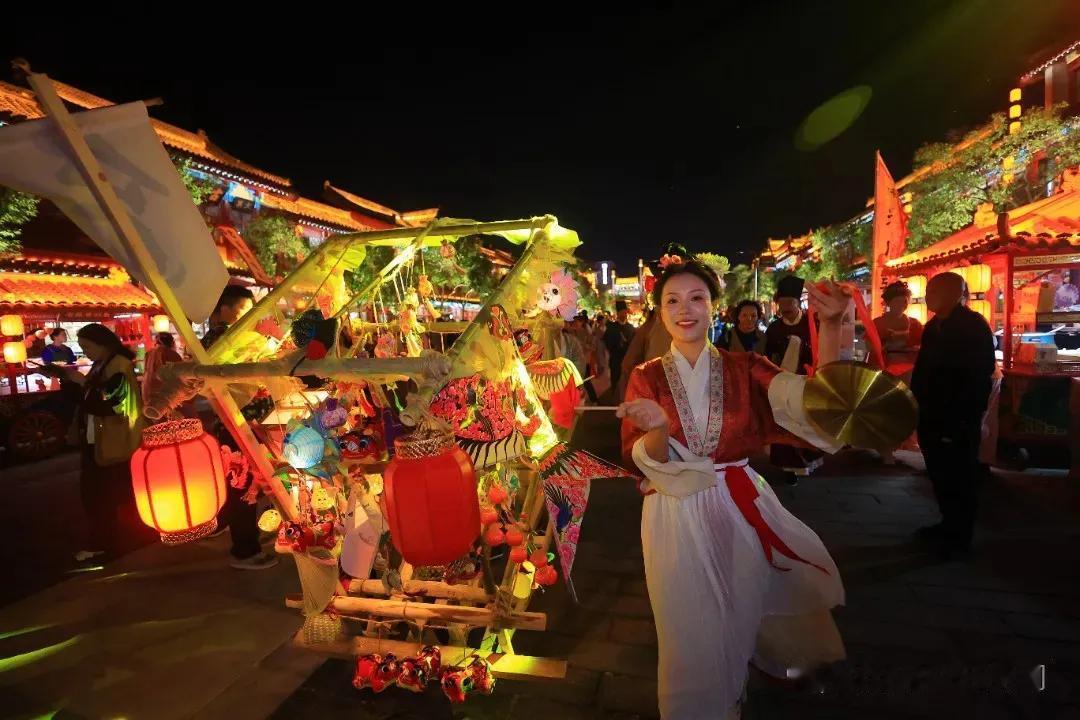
x: 890, y: 231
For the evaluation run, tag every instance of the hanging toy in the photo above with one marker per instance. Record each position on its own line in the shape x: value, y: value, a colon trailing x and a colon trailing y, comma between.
x: 456, y: 685
x: 430, y: 658
x: 304, y: 447
x: 321, y: 500
x: 359, y: 446
x: 497, y: 495
x: 529, y: 351
x: 366, y: 665
x: 446, y: 250
x: 332, y: 414
x: 410, y: 326
x: 270, y: 521
x: 412, y: 676
x: 494, y: 536
x: 514, y: 537
x: 424, y: 287
x: 519, y: 555
x: 559, y: 296
x: 386, y: 673
x: 479, y: 670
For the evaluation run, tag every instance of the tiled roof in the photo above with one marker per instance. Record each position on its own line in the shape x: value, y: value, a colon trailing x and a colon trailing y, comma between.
x: 38, y: 291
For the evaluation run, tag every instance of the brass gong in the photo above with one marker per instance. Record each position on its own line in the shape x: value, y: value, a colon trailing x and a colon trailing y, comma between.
x: 860, y: 406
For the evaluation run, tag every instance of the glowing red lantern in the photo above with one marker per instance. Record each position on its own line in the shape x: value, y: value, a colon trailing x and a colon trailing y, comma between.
x: 431, y: 504
x: 178, y: 480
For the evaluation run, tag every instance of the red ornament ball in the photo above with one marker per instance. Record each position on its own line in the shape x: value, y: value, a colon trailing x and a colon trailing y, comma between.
x: 539, y: 558
x: 546, y: 576
x: 497, y: 495
x: 488, y: 517
x: 519, y: 555
x: 514, y: 537
x: 494, y: 536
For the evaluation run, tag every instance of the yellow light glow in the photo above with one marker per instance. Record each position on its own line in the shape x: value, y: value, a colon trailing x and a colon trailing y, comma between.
x: 917, y: 311
x: 1014, y: 95
x: 1014, y: 127
x: 917, y: 285
x: 1008, y: 163
x: 161, y: 323
x: 1014, y: 111
x: 12, y: 326
x: 15, y: 352
x: 980, y: 306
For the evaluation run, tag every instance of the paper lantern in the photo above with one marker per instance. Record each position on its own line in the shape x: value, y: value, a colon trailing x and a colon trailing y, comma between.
x: 161, y: 323
x: 12, y: 326
x: 304, y: 448
x: 178, y: 480
x: 15, y: 352
x: 980, y: 306
x: 917, y: 311
x: 977, y: 278
x: 917, y: 285
x: 431, y: 503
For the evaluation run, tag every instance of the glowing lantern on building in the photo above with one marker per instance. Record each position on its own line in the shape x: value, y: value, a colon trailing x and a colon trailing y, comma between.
x: 980, y: 306
x: 12, y: 326
x: 917, y: 311
x: 178, y: 480
x: 917, y: 285
x: 15, y: 352
x: 431, y: 503
x: 977, y: 277
x: 161, y: 323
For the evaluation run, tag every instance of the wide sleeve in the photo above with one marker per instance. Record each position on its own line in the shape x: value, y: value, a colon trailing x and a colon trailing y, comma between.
x: 778, y: 395
x: 637, y: 387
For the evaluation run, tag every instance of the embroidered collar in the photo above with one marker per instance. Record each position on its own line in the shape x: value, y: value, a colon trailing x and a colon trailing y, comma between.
x: 702, y: 447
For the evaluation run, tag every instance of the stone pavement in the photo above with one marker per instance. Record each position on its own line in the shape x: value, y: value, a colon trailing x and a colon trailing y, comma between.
x: 926, y: 638
x: 173, y: 632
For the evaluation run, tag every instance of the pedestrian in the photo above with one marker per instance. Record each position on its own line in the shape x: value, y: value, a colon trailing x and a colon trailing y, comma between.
x: 164, y: 352
x: 791, y: 325
x: 733, y: 577
x: 617, y: 337
x: 239, y: 515
x: 745, y: 335
x: 58, y: 351
x: 900, y: 334
x: 952, y: 380
x: 109, y: 427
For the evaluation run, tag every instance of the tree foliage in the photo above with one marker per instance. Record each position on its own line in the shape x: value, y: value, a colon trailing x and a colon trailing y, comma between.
x: 198, y: 188
x: 276, y: 243
x: 16, y: 209
x: 975, y: 172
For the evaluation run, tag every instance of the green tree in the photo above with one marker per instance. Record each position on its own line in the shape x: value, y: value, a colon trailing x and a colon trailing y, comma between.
x: 974, y: 171
x: 738, y: 285
x: 198, y: 188
x: 16, y: 209
x: 275, y: 242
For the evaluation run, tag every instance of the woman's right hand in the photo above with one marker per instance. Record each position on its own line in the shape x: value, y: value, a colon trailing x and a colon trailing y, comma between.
x: 645, y: 413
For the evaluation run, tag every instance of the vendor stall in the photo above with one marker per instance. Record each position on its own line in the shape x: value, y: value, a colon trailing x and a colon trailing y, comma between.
x: 40, y: 292
x: 1023, y: 275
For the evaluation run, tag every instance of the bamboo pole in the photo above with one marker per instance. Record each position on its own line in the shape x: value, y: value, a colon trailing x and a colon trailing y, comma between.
x: 479, y: 228
x: 503, y: 666
x: 405, y: 610
x: 424, y: 588
x: 432, y: 365
x: 98, y: 183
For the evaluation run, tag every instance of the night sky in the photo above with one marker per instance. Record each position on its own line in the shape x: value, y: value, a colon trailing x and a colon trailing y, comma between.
x: 666, y: 123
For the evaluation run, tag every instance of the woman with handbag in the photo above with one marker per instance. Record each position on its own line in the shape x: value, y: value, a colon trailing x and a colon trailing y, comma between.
x: 109, y: 424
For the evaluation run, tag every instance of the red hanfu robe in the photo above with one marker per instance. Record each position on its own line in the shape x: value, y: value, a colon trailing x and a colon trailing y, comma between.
x: 722, y: 564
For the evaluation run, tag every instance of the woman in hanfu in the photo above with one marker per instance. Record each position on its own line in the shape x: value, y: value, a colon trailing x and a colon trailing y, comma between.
x: 733, y: 577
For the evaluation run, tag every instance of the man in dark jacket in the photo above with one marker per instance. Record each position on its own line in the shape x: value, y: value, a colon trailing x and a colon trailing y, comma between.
x: 952, y: 381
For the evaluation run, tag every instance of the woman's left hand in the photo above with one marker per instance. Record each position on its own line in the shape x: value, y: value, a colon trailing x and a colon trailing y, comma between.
x: 829, y: 303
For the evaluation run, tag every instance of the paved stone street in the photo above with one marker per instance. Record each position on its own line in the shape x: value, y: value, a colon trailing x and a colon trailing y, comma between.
x: 926, y: 638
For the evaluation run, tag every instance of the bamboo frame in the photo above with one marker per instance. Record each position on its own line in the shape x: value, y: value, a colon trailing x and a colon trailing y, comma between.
x: 399, y: 609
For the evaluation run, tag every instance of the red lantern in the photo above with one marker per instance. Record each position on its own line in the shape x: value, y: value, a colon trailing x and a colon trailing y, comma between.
x: 430, y: 493
x: 178, y: 480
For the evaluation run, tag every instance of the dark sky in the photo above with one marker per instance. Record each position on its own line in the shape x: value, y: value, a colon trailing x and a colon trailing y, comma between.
x: 669, y: 122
